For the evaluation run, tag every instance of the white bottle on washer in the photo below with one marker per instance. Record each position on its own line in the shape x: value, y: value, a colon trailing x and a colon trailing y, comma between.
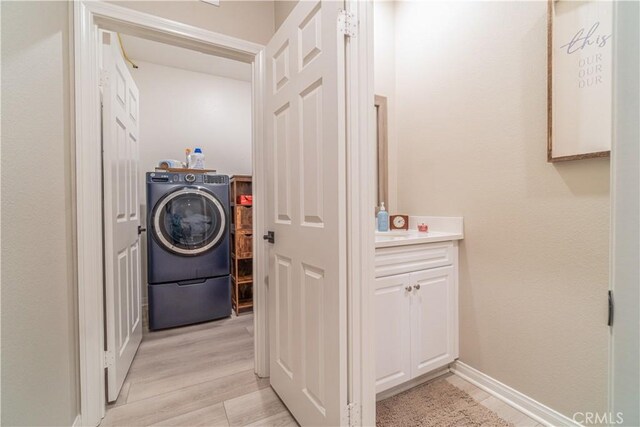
x: 196, y: 159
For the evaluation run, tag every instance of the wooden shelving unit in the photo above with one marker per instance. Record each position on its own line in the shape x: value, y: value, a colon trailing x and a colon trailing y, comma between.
x: 241, y: 245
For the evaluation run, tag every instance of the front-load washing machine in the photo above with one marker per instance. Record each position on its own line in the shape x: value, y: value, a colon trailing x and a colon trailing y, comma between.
x: 189, y: 270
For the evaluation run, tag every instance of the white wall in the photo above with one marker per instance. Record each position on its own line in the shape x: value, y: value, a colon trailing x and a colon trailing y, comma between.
x: 39, y: 312
x: 245, y: 19
x: 183, y: 109
x: 472, y: 128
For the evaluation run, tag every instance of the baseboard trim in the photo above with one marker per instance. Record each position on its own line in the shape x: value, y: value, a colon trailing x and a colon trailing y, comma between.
x: 523, y: 403
x: 412, y: 383
x: 77, y: 422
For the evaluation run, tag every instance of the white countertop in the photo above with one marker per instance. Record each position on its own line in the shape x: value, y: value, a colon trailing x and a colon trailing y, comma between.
x: 441, y: 229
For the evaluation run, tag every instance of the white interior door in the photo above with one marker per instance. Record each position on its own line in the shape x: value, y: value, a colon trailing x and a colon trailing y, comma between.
x: 121, y: 214
x: 432, y: 325
x: 305, y: 142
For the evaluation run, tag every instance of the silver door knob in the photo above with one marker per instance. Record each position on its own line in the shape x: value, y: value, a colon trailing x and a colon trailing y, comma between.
x: 416, y: 286
x: 408, y: 288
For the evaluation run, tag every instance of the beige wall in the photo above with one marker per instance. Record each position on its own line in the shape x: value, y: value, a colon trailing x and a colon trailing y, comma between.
x: 282, y: 8
x: 248, y: 20
x: 384, y: 55
x: 471, y: 108
x: 39, y: 326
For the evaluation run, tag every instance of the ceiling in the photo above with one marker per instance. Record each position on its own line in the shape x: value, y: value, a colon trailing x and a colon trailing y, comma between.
x: 172, y: 56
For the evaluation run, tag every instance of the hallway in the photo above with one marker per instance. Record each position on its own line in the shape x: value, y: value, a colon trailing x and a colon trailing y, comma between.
x: 197, y: 375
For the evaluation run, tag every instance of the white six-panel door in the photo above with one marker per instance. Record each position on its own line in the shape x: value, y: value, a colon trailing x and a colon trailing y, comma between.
x: 305, y: 143
x: 121, y: 214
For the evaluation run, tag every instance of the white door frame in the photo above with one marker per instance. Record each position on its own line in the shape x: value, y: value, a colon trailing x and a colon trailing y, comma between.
x: 624, y: 382
x: 89, y: 16
x: 361, y: 164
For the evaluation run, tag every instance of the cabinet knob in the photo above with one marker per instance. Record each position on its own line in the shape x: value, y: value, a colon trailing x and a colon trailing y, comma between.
x: 416, y: 286
x: 408, y: 288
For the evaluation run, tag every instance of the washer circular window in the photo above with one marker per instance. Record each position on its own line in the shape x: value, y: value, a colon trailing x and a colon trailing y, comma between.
x: 189, y: 221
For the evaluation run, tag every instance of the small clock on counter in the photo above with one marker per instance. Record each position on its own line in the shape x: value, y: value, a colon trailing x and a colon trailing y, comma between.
x: 399, y: 222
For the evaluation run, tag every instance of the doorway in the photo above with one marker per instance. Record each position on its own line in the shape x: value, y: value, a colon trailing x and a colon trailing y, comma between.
x: 160, y: 80
x: 89, y: 18
x: 195, y: 261
x: 356, y: 392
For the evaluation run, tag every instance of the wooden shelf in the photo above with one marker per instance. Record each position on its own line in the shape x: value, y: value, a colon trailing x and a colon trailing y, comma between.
x: 242, y: 231
x: 241, y: 245
x: 245, y: 305
x: 242, y: 280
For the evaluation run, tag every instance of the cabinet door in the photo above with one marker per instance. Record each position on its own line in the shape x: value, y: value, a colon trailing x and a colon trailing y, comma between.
x: 433, y: 320
x: 393, y: 326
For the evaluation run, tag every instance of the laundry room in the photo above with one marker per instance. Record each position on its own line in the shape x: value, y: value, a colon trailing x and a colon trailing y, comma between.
x: 177, y: 166
x: 195, y: 113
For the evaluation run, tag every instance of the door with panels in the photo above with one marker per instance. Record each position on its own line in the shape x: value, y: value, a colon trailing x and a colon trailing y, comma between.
x: 121, y: 214
x: 393, y: 330
x: 304, y: 100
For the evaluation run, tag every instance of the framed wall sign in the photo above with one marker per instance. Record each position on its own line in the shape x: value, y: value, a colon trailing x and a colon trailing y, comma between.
x: 579, y: 79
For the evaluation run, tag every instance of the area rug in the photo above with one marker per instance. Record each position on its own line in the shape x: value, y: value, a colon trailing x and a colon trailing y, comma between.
x: 437, y: 404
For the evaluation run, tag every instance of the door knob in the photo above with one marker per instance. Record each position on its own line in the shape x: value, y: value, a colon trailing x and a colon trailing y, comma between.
x: 408, y: 288
x: 416, y: 286
x: 140, y: 229
x: 270, y: 237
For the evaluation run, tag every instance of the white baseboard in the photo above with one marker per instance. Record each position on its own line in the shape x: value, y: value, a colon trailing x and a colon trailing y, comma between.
x: 532, y: 408
x: 77, y: 422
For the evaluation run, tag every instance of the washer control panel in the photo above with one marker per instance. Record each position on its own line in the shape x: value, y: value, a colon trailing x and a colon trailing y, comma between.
x: 190, y: 178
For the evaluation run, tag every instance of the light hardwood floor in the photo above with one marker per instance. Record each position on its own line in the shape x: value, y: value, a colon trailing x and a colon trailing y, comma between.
x: 200, y: 375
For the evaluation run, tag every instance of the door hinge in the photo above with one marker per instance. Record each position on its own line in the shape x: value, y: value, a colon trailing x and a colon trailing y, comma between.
x: 348, y: 23
x: 109, y: 359
x: 353, y: 413
x: 104, y: 78
x: 610, y: 317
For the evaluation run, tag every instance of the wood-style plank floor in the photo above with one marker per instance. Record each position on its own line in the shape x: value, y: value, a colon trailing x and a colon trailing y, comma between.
x: 200, y: 375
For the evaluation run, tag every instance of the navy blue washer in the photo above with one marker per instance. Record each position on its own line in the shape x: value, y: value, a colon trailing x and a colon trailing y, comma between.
x: 189, y: 270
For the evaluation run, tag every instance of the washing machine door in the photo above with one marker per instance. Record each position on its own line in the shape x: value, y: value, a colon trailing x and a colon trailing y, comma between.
x: 189, y: 221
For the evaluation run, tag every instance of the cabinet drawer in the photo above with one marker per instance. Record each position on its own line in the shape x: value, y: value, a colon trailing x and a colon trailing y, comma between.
x: 406, y: 259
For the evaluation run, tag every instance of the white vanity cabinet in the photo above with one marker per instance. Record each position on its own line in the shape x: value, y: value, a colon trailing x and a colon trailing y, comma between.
x: 416, y: 299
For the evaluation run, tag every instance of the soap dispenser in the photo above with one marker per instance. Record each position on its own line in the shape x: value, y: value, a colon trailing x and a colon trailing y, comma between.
x: 383, y: 218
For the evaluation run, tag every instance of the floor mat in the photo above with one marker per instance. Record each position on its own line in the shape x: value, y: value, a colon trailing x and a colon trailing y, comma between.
x: 437, y: 404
